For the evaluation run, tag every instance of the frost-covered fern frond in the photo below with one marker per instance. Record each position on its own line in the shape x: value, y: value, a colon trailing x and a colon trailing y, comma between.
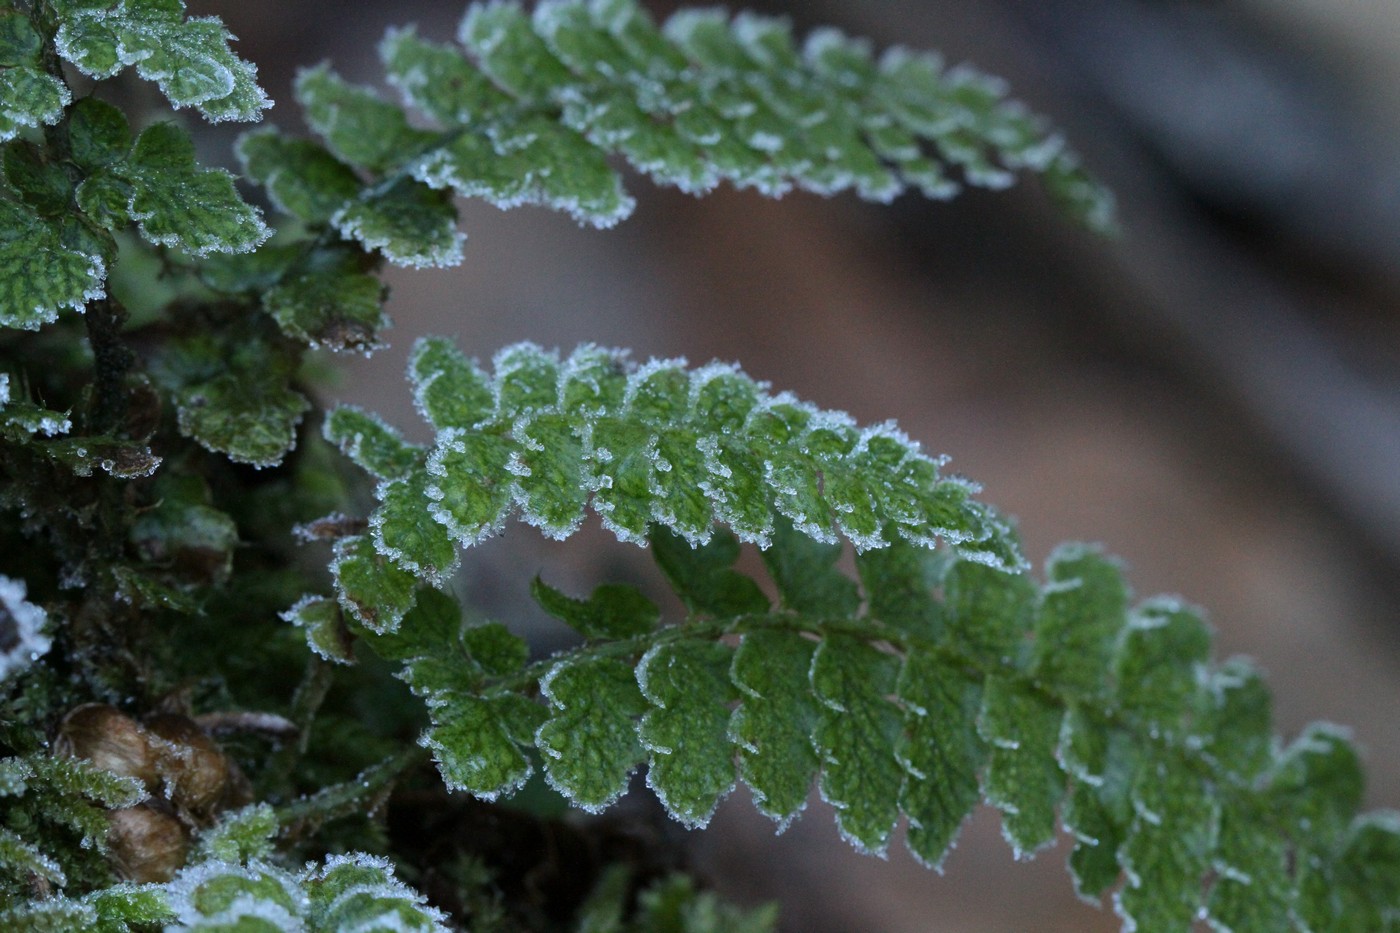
x: 932, y: 683
x: 529, y: 106
x: 346, y: 892
x: 651, y: 445
x: 532, y: 108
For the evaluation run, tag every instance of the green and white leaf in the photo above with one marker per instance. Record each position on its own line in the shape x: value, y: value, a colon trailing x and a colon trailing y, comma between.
x: 47, y: 268
x: 29, y: 96
x: 687, y: 729
x: 660, y: 445
x: 177, y: 203
x: 189, y: 59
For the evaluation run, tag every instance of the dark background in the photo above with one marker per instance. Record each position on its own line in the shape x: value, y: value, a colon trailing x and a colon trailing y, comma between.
x: 1215, y: 396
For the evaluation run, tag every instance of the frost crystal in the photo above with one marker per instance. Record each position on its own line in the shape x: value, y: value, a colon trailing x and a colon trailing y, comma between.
x: 22, y: 640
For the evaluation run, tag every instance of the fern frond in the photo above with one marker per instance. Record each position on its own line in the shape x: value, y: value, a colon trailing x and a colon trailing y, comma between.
x: 656, y: 444
x: 532, y: 108
x: 1161, y: 762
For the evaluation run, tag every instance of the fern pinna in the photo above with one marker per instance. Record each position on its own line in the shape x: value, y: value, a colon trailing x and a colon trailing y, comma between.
x: 941, y: 674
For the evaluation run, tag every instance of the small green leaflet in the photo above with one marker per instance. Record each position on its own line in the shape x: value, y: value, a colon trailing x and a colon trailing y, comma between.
x: 1083, y: 606
x: 375, y: 446
x: 369, y: 588
x: 703, y: 576
x: 687, y: 728
x: 301, y: 177
x: 189, y: 59
x: 47, y: 268
x: 856, y: 737
x: 158, y: 185
x: 1023, y: 778
x: 326, y: 632
x: 1169, y: 846
x: 614, y: 611
x: 28, y: 95
x: 410, y: 223
x: 232, y: 390
x: 475, y: 746
x: 941, y: 751
x: 773, y: 725
x: 590, y: 742
x: 1159, y: 665
x: 177, y: 203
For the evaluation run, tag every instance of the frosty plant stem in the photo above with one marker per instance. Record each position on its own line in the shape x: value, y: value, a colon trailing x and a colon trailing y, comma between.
x: 160, y: 459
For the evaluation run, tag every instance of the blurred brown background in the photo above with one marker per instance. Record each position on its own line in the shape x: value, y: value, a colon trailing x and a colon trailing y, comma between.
x: 1215, y: 396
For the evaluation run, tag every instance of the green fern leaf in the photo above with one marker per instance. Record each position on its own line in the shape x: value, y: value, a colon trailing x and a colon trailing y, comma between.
x: 302, y: 179
x: 1081, y: 613
x: 1023, y: 777
x: 48, y: 267
x: 1169, y: 847
x: 1239, y: 737
x: 988, y: 613
x: 326, y: 633
x: 1158, y: 667
x: 528, y: 107
x: 449, y: 390
x: 941, y: 751
x: 774, y: 723
x: 687, y: 729
x: 1316, y: 784
x: 359, y: 127
x: 329, y: 301
x: 240, y: 835
x: 590, y: 742
x: 476, y: 749
x: 219, y: 895
x: 857, y: 736
x: 613, y: 611
x: 232, y: 390
x: 177, y: 203
x: 41, y: 183
x: 404, y: 527
x: 189, y: 59
x: 410, y: 223
x: 374, y: 446
x: 703, y: 576
x: 657, y: 455
x: 373, y: 591
x: 360, y: 892
x: 1357, y: 890
x: 806, y: 576
x: 898, y: 581
x: 1253, y: 890
x: 31, y: 96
